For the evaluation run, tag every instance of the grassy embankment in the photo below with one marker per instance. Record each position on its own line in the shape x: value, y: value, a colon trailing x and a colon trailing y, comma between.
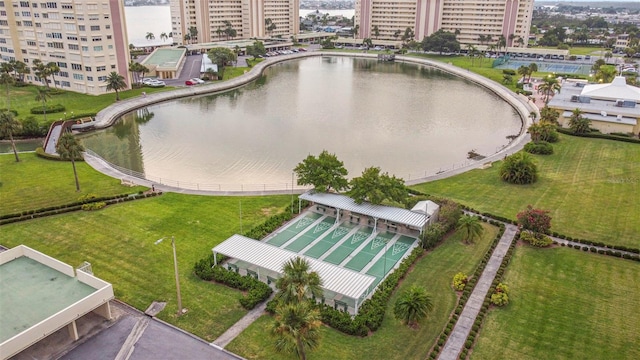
x: 589, y: 185
x: 565, y: 304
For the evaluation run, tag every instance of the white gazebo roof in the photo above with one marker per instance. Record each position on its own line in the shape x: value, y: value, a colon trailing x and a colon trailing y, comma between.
x: 616, y: 90
x: 426, y: 207
x: 334, y: 278
x: 390, y: 213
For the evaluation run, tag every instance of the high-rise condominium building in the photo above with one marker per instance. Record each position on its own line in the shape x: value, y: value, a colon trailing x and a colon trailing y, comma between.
x: 475, y: 21
x: 206, y: 21
x: 87, y: 39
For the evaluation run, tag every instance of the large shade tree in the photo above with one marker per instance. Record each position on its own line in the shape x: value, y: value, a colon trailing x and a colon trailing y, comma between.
x: 297, y: 328
x: 324, y: 172
x: 69, y: 148
x: 441, y: 41
x: 221, y: 56
x: 257, y: 49
x: 519, y: 168
x: 9, y: 126
x: 413, y: 305
x: 470, y: 227
x: 376, y: 187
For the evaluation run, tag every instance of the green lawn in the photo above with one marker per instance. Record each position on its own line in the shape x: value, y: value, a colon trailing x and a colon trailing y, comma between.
x: 23, y: 100
x: 393, y: 340
x: 119, y: 242
x: 565, y: 304
x: 590, y: 186
x: 34, y: 183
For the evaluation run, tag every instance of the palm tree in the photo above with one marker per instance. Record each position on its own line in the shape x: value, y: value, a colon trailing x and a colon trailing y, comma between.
x: 533, y: 67
x: 193, y: 32
x: 69, y: 148
x: 502, y: 42
x: 163, y: 36
x: 519, y: 168
x: 41, y: 71
x: 8, y: 126
x: 396, y: 34
x: 471, y: 51
x: 298, y: 281
x: 548, y: 87
x: 523, y: 71
x: 150, y: 36
x: 115, y: 82
x: 269, y: 26
x: 219, y: 32
x: 53, y: 69
x: 578, y: 123
x: 187, y: 38
x: 297, y: 328
x: 376, y: 32
x: 42, y: 94
x: 21, y: 69
x: 413, y: 305
x: 471, y: 228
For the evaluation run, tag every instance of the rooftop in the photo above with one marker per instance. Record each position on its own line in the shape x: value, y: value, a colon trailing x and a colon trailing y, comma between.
x: 165, y: 57
x: 390, y: 213
x: 617, y: 89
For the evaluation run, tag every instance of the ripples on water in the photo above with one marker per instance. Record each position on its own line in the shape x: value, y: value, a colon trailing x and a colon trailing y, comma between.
x: 407, y: 119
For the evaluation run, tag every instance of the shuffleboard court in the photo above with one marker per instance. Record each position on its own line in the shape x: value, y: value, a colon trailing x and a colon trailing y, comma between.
x: 392, y: 255
x: 310, y: 235
x: 338, y: 255
x: 361, y: 259
x: 330, y: 240
x: 294, y: 229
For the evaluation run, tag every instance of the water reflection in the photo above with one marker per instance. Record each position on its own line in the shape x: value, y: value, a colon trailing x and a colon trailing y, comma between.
x: 405, y: 118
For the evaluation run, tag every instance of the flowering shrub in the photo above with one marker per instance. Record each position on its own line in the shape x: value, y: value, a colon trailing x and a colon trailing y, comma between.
x: 536, y: 220
x: 500, y: 297
x: 460, y: 281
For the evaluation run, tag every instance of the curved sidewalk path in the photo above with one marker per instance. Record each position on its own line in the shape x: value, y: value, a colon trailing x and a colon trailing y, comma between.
x: 455, y: 343
x: 109, y: 115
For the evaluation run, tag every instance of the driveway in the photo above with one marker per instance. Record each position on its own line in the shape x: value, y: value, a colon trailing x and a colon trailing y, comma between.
x: 191, y: 69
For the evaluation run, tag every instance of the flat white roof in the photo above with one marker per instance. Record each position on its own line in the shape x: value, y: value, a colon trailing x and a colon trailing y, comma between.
x: 390, y: 213
x: 334, y: 278
x: 617, y: 89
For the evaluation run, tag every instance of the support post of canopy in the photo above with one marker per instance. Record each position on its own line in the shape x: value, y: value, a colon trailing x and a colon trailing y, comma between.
x: 215, y: 259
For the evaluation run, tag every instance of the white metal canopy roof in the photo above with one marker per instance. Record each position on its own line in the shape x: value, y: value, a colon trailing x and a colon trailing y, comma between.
x: 334, y: 278
x: 393, y: 214
x: 617, y: 89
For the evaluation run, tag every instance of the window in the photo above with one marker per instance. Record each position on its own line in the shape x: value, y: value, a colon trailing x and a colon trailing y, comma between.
x: 45, y: 15
x: 85, y: 48
x: 89, y: 78
x: 102, y: 78
x: 75, y: 38
x: 63, y: 74
x: 78, y: 76
x: 81, y: 27
x: 50, y: 5
x: 27, y: 23
x: 97, y: 48
x: 109, y: 37
x: 70, y: 27
x: 113, y: 66
x: 65, y: 84
x: 101, y: 68
x: 73, y: 47
x: 26, y: 13
x: 87, y: 68
x: 95, y: 27
x: 68, y: 16
x: 76, y: 66
x: 55, y: 45
x: 67, y: 6
x: 62, y: 65
x: 82, y: 38
x: 56, y: 35
x: 96, y: 39
x: 24, y: 4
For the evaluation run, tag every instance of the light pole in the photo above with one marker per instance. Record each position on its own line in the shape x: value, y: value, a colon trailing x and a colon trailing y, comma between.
x: 175, y: 266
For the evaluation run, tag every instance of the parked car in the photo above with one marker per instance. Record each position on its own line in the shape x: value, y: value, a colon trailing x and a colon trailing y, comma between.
x: 197, y: 81
x: 302, y: 49
x: 190, y: 82
x: 155, y: 83
x: 377, y: 48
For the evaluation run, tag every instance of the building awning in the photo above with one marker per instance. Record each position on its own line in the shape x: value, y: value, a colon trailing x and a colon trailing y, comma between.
x: 389, y: 213
x: 334, y: 278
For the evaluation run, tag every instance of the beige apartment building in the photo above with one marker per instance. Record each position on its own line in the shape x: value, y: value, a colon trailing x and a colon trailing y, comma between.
x: 469, y: 18
x: 87, y: 39
x: 249, y: 18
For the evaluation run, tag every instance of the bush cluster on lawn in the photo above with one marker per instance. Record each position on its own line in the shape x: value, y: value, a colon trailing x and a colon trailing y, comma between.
x: 539, y: 148
x: 257, y: 291
x: 49, y: 109
x: 74, y: 206
x: 537, y: 241
x: 500, y: 296
x: 460, y: 281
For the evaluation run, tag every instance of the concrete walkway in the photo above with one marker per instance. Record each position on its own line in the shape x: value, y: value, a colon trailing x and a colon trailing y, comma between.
x: 455, y: 343
x: 223, y: 340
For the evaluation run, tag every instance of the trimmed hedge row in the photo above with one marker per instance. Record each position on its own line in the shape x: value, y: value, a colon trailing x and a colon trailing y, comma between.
x: 608, y: 252
x: 40, y: 153
x: 49, y: 109
x: 599, y: 136
x: 444, y: 335
x: 540, y: 148
x: 74, y: 206
x: 257, y: 291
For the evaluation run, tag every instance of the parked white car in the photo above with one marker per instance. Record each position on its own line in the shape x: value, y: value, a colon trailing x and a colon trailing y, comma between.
x: 197, y: 81
x: 155, y: 83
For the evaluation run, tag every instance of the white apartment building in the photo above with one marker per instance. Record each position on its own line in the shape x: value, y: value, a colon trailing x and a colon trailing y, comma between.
x: 249, y: 18
x: 86, y: 38
x: 470, y: 18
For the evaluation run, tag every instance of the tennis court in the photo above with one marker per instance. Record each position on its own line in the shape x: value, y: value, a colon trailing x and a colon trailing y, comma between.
x: 546, y: 66
x: 347, y: 244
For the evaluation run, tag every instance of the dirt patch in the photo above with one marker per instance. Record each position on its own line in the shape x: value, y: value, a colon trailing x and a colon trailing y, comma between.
x: 268, y: 211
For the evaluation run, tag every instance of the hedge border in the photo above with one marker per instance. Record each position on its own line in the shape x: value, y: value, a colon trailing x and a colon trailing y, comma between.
x: 599, y: 136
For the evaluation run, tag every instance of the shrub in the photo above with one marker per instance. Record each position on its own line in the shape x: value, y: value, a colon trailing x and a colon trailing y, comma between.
x: 519, y: 168
x: 14, y: 112
x: 537, y: 241
x: 536, y: 220
x: 31, y: 127
x: 459, y: 281
x: 509, y: 72
x: 432, y: 236
x: 499, y: 299
x: 539, y: 148
x: 49, y: 109
x: 93, y: 206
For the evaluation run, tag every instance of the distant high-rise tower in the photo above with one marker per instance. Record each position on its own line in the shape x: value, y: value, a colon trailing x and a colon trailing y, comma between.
x: 205, y: 21
x: 86, y: 39
x: 475, y: 21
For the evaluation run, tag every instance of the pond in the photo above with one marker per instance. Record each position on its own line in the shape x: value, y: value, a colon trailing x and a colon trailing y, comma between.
x: 407, y: 119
